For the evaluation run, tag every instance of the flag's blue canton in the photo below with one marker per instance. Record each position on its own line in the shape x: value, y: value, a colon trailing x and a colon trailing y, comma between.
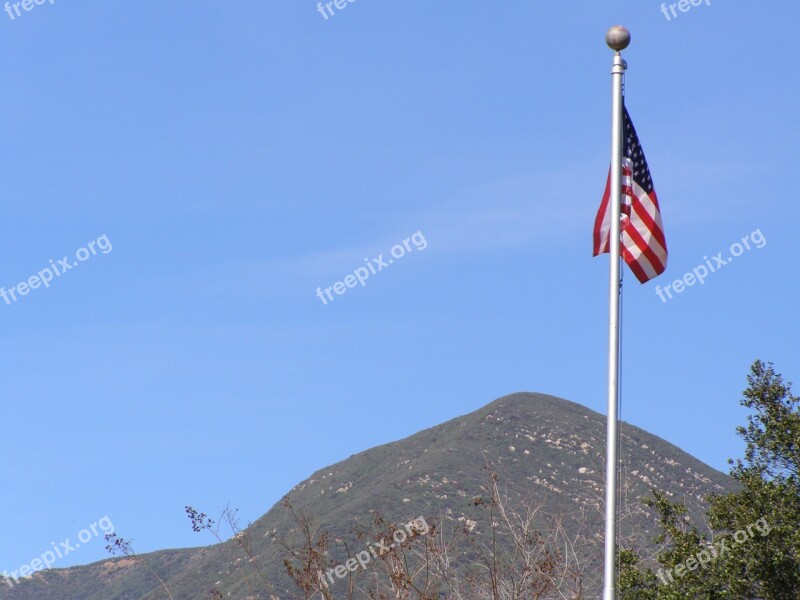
x: 632, y: 149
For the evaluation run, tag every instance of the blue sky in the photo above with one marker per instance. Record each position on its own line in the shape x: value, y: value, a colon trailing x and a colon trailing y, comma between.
x: 239, y: 155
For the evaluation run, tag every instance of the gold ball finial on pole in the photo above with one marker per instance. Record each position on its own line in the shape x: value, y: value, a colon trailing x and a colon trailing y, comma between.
x: 618, y: 38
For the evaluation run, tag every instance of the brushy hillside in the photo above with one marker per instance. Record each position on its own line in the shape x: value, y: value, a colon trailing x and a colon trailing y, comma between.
x: 540, y: 446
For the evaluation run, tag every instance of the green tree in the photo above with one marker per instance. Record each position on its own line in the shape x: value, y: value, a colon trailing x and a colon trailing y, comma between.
x: 753, y: 550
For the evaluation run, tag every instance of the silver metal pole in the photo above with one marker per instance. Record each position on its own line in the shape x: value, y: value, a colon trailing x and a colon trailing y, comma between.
x: 617, y: 39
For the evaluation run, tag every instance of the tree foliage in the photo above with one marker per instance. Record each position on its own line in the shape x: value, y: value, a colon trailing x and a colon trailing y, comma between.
x: 752, y: 548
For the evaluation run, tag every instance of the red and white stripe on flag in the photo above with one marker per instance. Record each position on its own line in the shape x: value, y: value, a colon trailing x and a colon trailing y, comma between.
x: 643, y: 245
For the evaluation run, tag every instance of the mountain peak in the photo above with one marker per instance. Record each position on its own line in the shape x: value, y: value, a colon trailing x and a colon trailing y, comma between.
x: 540, y: 446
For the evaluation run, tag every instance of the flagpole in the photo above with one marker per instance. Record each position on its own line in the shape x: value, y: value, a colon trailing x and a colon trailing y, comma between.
x: 617, y: 39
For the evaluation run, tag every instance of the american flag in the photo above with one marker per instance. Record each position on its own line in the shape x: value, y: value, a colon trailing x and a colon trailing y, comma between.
x: 643, y: 245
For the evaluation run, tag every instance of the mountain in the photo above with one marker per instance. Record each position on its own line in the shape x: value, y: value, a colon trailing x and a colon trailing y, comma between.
x: 540, y: 446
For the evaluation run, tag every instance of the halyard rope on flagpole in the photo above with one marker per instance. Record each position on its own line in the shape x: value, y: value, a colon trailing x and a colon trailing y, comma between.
x: 620, y: 459
x: 617, y: 510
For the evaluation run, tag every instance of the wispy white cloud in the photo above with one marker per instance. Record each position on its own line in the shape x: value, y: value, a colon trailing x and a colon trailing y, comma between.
x: 532, y: 209
x: 529, y: 209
